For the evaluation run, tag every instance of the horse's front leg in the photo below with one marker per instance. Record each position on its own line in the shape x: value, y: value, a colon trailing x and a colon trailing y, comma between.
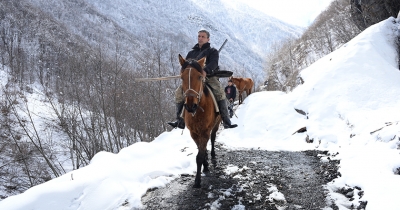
x: 213, y: 136
x: 199, y: 161
x: 205, y: 164
x: 212, y: 148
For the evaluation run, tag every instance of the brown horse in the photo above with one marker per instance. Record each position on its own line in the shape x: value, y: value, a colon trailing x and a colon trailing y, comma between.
x: 200, y: 114
x: 243, y: 84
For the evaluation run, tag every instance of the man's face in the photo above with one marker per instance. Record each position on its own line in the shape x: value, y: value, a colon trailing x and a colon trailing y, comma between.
x: 230, y: 83
x: 202, y: 38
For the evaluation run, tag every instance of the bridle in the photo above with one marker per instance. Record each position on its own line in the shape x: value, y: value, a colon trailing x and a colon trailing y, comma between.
x: 198, y: 94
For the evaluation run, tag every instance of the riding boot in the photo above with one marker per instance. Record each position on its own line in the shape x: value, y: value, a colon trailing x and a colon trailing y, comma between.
x: 223, y: 111
x: 180, y: 122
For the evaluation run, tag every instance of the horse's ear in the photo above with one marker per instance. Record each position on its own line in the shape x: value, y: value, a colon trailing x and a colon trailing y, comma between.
x: 202, y: 61
x: 181, y: 60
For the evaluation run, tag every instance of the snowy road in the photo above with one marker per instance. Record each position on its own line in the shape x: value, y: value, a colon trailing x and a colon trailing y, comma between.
x: 253, y: 179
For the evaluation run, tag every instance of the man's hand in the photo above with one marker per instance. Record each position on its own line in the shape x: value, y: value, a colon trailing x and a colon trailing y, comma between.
x: 230, y: 100
x: 204, y: 74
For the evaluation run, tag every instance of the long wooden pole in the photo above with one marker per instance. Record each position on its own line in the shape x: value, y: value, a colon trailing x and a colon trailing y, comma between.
x: 157, y: 79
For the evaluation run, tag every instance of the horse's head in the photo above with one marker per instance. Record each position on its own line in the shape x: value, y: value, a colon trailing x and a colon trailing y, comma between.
x: 236, y: 81
x: 192, y: 82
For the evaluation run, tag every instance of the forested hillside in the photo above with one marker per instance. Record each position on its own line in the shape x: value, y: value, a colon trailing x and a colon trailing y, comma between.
x: 334, y: 27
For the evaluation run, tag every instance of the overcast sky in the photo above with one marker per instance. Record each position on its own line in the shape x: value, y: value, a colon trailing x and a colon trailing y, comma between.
x: 296, y: 12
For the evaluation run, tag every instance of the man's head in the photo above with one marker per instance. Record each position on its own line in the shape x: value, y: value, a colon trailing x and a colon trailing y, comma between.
x: 203, y: 37
x: 230, y: 82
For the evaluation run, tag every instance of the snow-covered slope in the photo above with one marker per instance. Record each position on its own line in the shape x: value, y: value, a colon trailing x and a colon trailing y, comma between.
x: 349, y: 95
x: 351, y: 98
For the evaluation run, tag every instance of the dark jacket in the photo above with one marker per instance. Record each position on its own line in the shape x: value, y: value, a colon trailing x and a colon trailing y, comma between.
x: 230, y: 92
x: 211, y: 54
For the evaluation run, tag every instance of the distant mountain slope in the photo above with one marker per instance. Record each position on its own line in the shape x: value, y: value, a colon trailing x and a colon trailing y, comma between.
x: 140, y: 25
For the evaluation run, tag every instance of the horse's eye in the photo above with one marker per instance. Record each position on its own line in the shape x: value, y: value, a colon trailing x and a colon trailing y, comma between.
x: 200, y: 77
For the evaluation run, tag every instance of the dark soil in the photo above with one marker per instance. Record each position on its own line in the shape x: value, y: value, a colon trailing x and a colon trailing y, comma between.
x: 299, y: 176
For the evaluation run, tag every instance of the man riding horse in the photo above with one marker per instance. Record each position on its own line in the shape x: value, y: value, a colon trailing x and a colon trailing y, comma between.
x: 200, y: 50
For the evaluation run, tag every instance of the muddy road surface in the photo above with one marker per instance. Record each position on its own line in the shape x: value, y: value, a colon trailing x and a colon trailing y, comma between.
x: 252, y: 179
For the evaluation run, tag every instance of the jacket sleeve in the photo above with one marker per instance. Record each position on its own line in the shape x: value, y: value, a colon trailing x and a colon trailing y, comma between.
x: 212, y: 61
x: 233, y: 92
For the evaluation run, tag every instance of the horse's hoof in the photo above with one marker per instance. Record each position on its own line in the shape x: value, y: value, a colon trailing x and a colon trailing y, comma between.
x: 196, y: 186
x: 214, y: 161
x: 207, y: 173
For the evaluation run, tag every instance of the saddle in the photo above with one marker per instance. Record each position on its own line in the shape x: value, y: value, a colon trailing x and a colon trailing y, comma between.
x: 221, y: 73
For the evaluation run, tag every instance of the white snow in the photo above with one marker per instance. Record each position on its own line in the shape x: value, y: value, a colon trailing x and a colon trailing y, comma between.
x: 348, y: 95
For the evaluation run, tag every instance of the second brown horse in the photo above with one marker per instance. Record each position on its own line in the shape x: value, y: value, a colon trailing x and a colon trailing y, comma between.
x: 243, y: 85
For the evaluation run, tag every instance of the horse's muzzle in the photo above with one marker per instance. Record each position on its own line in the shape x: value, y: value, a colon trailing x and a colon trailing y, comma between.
x: 191, y: 108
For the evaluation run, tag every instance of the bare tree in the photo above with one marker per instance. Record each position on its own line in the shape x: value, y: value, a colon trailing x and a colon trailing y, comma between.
x: 369, y: 12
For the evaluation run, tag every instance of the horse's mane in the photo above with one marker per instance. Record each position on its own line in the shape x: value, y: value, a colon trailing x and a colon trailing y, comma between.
x: 193, y: 63
x: 205, y: 91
